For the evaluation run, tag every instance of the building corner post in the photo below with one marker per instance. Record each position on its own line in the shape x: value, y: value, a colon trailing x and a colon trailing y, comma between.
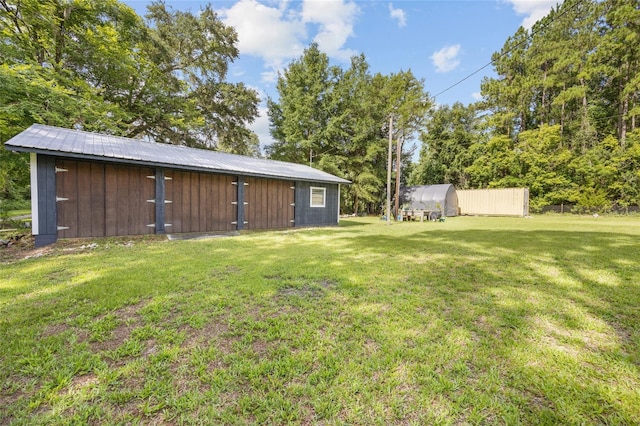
x: 43, y: 199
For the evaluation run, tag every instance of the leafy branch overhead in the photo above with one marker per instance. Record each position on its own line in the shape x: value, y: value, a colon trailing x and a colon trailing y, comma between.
x: 100, y: 67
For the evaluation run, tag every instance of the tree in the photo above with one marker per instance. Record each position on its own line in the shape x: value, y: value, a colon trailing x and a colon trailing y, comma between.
x: 495, y: 165
x: 544, y: 164
x: 567, y: 97
x: 619, y: 58
x: 446, y: 143
x: 300, y: 117
x: 97, y: 66
x: 359, y: 148
x: 165, y: 81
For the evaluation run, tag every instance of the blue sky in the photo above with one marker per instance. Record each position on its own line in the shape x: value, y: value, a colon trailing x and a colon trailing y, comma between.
x: 441, y: 42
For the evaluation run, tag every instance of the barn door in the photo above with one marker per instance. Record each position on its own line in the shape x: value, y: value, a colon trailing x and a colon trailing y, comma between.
x: 269, y: 203
x: 199, y: 202
x: 95, y: 199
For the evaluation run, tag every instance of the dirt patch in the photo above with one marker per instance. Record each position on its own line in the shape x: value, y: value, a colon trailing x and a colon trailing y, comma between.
x: 312, y: 289
x: 19, y: 389
x: 54, y: 330
x: 128, y: 318
x: 25, y: 248
x: 213, y: 332
x: 82, y: 381
x: 22, y: 249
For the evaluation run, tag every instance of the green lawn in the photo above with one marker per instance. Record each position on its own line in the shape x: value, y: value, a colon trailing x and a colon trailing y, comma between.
x: 470, y: 321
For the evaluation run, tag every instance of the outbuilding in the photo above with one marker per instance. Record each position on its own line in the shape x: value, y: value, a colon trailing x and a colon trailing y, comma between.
x: 93, y: 185
x: 441, y: 198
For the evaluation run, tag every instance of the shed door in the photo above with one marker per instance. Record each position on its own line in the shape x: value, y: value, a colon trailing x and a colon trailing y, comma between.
x: 96, y: 200
x: 200, y: 202
x: 270, y: 203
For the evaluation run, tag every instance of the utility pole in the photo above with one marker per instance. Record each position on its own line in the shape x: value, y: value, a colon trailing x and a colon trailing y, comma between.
x: 389, y: 162
x: 398, y: 159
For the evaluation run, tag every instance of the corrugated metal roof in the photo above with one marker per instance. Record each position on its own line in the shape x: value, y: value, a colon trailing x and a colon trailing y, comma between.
x: 79, y: 144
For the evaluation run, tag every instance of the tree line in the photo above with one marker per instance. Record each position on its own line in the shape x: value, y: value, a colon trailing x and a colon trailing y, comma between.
x: 339, y: 120
x: 560, y: 117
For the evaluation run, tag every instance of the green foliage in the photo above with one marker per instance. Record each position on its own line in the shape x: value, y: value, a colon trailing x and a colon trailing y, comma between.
x: 300, y: 117
x: 560, y: 118
x: 446, y: 146
x: 97, y: 66
x: 337, y: 120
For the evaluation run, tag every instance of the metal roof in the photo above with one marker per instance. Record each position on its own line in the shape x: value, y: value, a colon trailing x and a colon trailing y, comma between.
x: 79, y: 144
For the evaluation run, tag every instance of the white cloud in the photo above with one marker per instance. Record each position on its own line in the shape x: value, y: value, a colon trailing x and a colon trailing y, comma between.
x: 277, y: 31
x: 399, y: 15
x: 446, y: 59
x: 266, y: 32
x: 336, y: 19
x: 534, y: 10
x: 476, y: 96
x: 261, y: 128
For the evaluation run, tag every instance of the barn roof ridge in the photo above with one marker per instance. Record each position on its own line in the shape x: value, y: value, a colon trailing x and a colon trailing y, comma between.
x: 82, y: 144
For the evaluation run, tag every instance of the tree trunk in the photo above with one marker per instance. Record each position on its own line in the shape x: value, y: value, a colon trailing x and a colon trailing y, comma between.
x: 544, y: 93
x: 585, y: 115
x: 624, y: 110
x: 398, y: 162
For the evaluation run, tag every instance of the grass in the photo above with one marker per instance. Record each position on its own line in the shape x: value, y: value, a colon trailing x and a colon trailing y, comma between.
x: 23, y: 212
x: 470, y: 321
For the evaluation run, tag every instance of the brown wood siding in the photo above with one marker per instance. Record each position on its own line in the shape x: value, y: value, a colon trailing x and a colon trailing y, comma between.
x: 269, y: 203
x: 103, y: 199
x: 199, y: 202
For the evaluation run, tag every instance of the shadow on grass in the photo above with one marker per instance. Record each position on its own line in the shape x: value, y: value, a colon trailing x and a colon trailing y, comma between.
x: 346, y: 223
x: 484, y: 325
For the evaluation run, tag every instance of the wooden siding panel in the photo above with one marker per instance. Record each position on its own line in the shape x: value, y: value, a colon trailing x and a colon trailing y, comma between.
x: 176, y: 205
x: 104, y: 199
x: 201, y: 202
x: 110, y: 200
x: 204, y: 190
x: 83, y: 194
x: 269, y: 203
x: 231, y: 210
x: 122, y: 201
x: 97, y: 199
x: 136, y: 205
x: 66, y: 187
x: 149, y: 210
x: 185, y: 206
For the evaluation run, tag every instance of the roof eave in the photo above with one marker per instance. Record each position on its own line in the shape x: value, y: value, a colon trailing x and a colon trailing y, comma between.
x: 108, y: 159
